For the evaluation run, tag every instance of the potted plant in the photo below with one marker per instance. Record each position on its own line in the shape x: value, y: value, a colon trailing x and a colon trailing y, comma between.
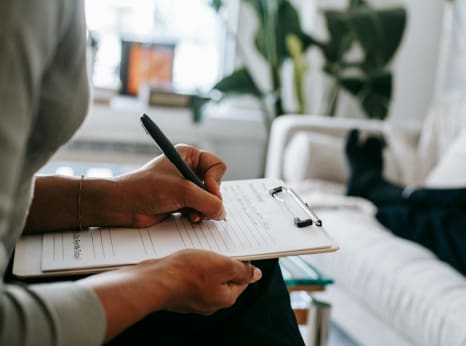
x: 375, y: 33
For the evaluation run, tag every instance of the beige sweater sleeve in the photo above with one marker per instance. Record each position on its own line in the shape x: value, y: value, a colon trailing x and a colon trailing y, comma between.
x: 31, y: 37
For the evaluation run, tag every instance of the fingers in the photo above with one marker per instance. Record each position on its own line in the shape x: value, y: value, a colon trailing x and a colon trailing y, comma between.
x: 204, y: 202
x: 213, y: 186
x: 203, y: 281
x: 207, y: 166
x: 244, y: 273
x: 195, y: 216
x: 210, y: 169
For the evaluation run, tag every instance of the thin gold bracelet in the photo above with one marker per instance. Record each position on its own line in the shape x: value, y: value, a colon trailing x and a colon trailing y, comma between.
x: 81, y: 228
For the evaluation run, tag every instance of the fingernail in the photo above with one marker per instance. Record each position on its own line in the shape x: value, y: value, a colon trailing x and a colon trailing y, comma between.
x: 196, y: 218
x: 222, y: 216
x: 257, y: 274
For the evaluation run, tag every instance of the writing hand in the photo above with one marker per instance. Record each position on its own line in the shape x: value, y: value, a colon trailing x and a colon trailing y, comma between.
x: 148, y: 195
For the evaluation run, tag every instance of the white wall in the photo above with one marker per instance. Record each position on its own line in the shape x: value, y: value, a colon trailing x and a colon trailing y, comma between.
x: 416, y: 64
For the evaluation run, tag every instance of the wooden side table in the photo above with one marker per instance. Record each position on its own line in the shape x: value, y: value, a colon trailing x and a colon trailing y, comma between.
x: 302, y: 280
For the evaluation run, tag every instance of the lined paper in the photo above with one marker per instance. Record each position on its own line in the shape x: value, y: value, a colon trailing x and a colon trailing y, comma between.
x: 257, y: 226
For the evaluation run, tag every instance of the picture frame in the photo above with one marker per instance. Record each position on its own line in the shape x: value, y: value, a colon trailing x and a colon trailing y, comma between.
x: 145, y: 62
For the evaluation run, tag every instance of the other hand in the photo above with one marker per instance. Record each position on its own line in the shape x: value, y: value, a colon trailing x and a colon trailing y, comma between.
x: 188, y: 281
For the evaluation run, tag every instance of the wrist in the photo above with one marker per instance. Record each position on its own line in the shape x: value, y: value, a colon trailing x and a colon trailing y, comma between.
x: 101, y: 204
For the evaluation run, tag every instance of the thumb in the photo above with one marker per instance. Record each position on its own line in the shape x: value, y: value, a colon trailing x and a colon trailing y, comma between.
x: 245, y: 273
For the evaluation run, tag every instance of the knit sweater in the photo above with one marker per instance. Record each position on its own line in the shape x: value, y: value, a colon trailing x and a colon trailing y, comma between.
x: 43, y: 100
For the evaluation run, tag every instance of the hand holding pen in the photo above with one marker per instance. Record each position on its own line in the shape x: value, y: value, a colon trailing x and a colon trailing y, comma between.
x: 186, y: 171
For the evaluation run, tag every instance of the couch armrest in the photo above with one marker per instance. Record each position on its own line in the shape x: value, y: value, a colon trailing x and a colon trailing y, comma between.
x: 298, y: 138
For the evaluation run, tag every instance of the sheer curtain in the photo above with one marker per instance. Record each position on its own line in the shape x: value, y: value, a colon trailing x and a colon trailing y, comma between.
x: 452, y: 63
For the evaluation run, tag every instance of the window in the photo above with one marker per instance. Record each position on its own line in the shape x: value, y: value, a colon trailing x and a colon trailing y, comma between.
x: 202, y: 51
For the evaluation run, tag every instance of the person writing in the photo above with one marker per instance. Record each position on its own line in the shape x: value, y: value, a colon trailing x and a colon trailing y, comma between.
x: 190, y: 297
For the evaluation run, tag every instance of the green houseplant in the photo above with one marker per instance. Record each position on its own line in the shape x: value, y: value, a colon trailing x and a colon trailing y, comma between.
x: 375, y: 33
x: 278, y: 20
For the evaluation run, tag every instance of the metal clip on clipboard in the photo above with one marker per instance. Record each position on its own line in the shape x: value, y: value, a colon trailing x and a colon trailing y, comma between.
x: 313, y: 218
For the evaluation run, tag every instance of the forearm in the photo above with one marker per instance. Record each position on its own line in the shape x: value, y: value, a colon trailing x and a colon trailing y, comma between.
x: 124, y: 297
x: 58, y: 203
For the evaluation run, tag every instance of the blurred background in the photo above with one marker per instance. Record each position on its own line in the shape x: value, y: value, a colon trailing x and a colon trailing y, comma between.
x: 168, y: 58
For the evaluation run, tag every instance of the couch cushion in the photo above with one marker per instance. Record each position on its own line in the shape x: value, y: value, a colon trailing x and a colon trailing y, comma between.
x: 401, y: 282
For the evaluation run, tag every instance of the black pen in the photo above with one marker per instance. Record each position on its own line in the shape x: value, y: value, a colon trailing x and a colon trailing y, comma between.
x: 169, y: 150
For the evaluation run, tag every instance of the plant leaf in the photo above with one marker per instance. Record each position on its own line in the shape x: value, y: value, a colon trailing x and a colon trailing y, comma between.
x: 197, y: 103
x: 239, y: 82
x: 374, y: 92
x: 394, y: 24
x: 375, y: 106
x: 288, y: 23
x: 357, y: 3
x: 295, y: 49
x: 216, y: 4
x: 354, y: 85
x: 379, y: 32
x: 340, y: 36
x: 260, y: 9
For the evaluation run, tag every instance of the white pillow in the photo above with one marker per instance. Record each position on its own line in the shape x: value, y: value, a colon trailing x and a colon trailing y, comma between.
x: 451, y: 169
x: 312, y: 155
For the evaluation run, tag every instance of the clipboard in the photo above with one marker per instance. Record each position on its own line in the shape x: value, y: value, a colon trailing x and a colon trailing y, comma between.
x: 265, y: 219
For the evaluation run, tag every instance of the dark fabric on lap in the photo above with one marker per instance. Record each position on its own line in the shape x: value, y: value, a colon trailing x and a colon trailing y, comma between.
x: 261, y: 316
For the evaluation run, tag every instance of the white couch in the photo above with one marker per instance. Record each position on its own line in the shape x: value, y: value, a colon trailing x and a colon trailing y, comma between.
x: 387, y: 291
